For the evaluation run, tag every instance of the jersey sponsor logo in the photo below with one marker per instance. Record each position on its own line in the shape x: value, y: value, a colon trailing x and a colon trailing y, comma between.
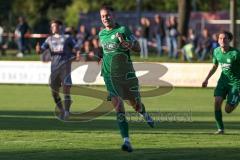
x: 110, y: 46
x: 225, y: 65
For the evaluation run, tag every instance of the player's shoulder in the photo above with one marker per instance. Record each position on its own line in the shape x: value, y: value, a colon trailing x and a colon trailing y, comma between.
x: 217, y: 50
x: 123, y: 28
x: 102, y: 32
x: 48, y: 38
x: 235, y: 50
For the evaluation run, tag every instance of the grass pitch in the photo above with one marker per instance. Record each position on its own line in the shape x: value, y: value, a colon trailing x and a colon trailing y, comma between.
x: 29, y: 130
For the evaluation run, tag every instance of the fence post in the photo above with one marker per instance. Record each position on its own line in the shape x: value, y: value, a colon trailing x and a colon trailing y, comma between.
x: 233, y: 4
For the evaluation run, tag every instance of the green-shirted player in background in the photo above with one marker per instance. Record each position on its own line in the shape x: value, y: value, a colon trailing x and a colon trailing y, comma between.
x: 117, y: 70
x: 229, y: 82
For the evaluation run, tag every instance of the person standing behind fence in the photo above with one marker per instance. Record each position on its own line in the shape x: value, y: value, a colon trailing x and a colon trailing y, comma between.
x: 204, y: 45
x: 20, y: 31
x: 159, y: 32
x: 82, y: 35
x: 189, y: 46
x: 144, y: 36
x: 3, y: 46
x: 172, y: 34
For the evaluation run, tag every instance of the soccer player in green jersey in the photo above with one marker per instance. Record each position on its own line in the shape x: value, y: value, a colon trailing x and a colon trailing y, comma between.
x: 117, y: 70
x: 229, y: 82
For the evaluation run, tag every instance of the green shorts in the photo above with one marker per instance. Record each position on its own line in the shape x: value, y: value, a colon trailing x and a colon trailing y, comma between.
x: 228, y: 91
x: 125, y: 87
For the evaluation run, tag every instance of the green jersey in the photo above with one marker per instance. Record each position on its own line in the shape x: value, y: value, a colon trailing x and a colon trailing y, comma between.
x: 230, y: 64
x: 116, y: 59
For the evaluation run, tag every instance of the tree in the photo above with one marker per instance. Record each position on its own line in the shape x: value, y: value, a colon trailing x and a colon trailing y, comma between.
x: 37, y: 12
x: 184, y: 11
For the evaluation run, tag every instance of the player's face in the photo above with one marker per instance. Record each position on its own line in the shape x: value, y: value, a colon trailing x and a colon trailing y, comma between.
x: 223, y: 40
x: 54, y: 28
x: 107, y: 18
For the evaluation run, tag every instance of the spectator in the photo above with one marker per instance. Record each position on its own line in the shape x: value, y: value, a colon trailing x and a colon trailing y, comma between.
x: 172, y: 34
x: 143, y: 33
x: 97, y: 50
x: 86, y: 51
x: 82, y: 35
x: 93, y: 33
x: 215, y: 43
x: 3, y: 45
x: 204, y: 45
x: 190, y: 45
x: 159, y: 32
x: 1, y: 34
x: 20, y: 31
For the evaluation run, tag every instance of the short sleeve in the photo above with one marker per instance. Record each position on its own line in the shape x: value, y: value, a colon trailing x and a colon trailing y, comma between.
x: 238, y: 56
x: 45, y: 44
x: 129, y: 35
x: 215, y: 61
x: 72, y: 43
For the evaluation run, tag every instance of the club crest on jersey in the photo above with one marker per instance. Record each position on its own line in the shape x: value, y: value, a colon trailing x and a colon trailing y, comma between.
x: 113, y: 36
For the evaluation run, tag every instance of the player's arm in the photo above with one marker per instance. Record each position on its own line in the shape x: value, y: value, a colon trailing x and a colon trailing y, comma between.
x: 39, y: 49
x: 211, y: 72
x: 131, y: 45
x: 75, y: 49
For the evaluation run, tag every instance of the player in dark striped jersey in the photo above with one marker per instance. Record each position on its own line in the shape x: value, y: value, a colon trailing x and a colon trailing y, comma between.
x: 62, y: 48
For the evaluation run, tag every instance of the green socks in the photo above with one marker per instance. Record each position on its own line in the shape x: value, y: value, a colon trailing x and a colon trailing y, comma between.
x: 122, y: 124
x: 143, y: 110
x: 219, y: 121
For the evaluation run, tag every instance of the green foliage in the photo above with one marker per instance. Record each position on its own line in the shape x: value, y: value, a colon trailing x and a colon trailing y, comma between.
x: 5, y: 6
x: 55, y: 13
x: 68, y: 10
x: 35, y: 11
x: 213, y: 5
x: 73, y: 10
x: 160, y: 5
x: 28, y: 8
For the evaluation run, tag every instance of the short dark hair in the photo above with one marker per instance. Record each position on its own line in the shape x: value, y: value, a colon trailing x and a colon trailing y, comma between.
x: 56, y: 21
x: 107, y: 7
x: 229, y: 34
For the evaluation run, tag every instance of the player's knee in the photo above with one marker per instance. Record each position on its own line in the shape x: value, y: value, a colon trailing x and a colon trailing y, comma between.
x: 118, y: 104
x: 57, y: 99
x: 66, y: 89
x: 218, y: 103
x: 217, y: 106
x: 67, y: 97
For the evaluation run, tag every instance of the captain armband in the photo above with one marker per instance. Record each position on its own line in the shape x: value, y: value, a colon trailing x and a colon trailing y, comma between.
x: 128, y: 45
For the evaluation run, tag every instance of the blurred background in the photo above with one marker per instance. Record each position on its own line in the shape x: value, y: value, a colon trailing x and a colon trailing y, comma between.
x: 181, y: 22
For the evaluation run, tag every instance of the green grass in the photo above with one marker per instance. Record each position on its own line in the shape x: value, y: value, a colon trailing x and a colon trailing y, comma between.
x: 28, y: 129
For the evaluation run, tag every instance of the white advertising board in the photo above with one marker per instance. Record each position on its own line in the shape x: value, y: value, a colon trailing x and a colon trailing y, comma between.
x: 177, y: 74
